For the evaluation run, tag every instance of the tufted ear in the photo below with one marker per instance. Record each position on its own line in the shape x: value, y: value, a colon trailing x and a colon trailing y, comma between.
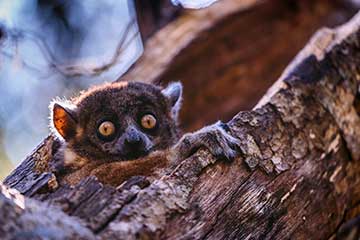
x: 174, y: 93
x: 62, y: 119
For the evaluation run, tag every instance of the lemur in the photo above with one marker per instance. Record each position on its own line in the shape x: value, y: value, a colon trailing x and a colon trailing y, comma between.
x: 109, y: 129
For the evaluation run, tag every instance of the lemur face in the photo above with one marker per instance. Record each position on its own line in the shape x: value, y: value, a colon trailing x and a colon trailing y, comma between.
x: 119, y: 121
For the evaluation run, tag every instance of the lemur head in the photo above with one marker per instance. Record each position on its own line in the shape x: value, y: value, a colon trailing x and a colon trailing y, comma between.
x: 118, y: 121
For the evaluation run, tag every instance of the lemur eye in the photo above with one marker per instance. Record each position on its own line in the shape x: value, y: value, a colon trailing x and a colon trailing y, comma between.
x: 106, y: 129
x: 148, y: 121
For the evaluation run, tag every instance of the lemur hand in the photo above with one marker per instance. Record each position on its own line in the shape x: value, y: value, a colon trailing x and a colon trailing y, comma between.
x: 216, y: 138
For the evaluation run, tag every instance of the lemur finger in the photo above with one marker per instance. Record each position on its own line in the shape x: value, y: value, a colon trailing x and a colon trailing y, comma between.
x: 230, y: 145
x: 56, y: 166
x: 185, y: 146
x: 225, y: 149
x: 215, y: 138
x: 234, y: 143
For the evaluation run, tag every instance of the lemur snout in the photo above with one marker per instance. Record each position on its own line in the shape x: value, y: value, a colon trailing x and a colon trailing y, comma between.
x: 133, y: 139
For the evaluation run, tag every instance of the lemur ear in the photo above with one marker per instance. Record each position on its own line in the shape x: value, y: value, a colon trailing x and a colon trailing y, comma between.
x: 63, y: 121
x: 174, y: 93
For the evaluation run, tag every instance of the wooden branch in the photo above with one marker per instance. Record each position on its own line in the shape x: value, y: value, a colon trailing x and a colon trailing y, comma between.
x: 298, y: 175
x: 23, y: 218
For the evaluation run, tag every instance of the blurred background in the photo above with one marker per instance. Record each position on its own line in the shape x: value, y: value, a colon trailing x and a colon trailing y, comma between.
x: 52, y: 48
x: 226, y: 55
x: 55, y: 48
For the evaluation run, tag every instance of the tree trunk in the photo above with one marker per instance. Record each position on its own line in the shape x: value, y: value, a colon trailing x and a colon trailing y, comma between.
x: 297, y: 177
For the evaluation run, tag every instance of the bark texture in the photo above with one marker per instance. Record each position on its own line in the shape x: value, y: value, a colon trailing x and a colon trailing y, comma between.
x: 23, y: 218
x: 298, y: 176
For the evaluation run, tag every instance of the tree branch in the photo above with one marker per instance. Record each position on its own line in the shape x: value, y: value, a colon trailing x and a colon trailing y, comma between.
x: 297, y: 177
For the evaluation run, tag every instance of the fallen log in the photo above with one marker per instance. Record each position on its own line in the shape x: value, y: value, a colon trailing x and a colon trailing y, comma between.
x: 298, y: 175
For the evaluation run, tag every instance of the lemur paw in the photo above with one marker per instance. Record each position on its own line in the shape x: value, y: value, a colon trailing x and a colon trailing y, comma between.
x: 57, y: 163
x: 216, y: 138
x: 56, y: 166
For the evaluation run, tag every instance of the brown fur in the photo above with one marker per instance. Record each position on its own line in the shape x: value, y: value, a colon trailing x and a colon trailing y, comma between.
x: 84, y: 152
x: 115, y: 173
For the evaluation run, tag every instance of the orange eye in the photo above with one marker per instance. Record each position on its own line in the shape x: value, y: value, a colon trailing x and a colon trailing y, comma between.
x: 106, y: 129
x: 148, y: 121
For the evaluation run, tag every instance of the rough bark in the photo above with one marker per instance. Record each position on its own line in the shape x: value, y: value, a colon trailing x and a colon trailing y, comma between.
x: 297, y: 177
x: 23, y: 218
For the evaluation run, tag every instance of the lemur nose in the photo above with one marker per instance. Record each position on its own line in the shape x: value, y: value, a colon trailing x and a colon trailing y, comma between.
x: 132, y: 138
